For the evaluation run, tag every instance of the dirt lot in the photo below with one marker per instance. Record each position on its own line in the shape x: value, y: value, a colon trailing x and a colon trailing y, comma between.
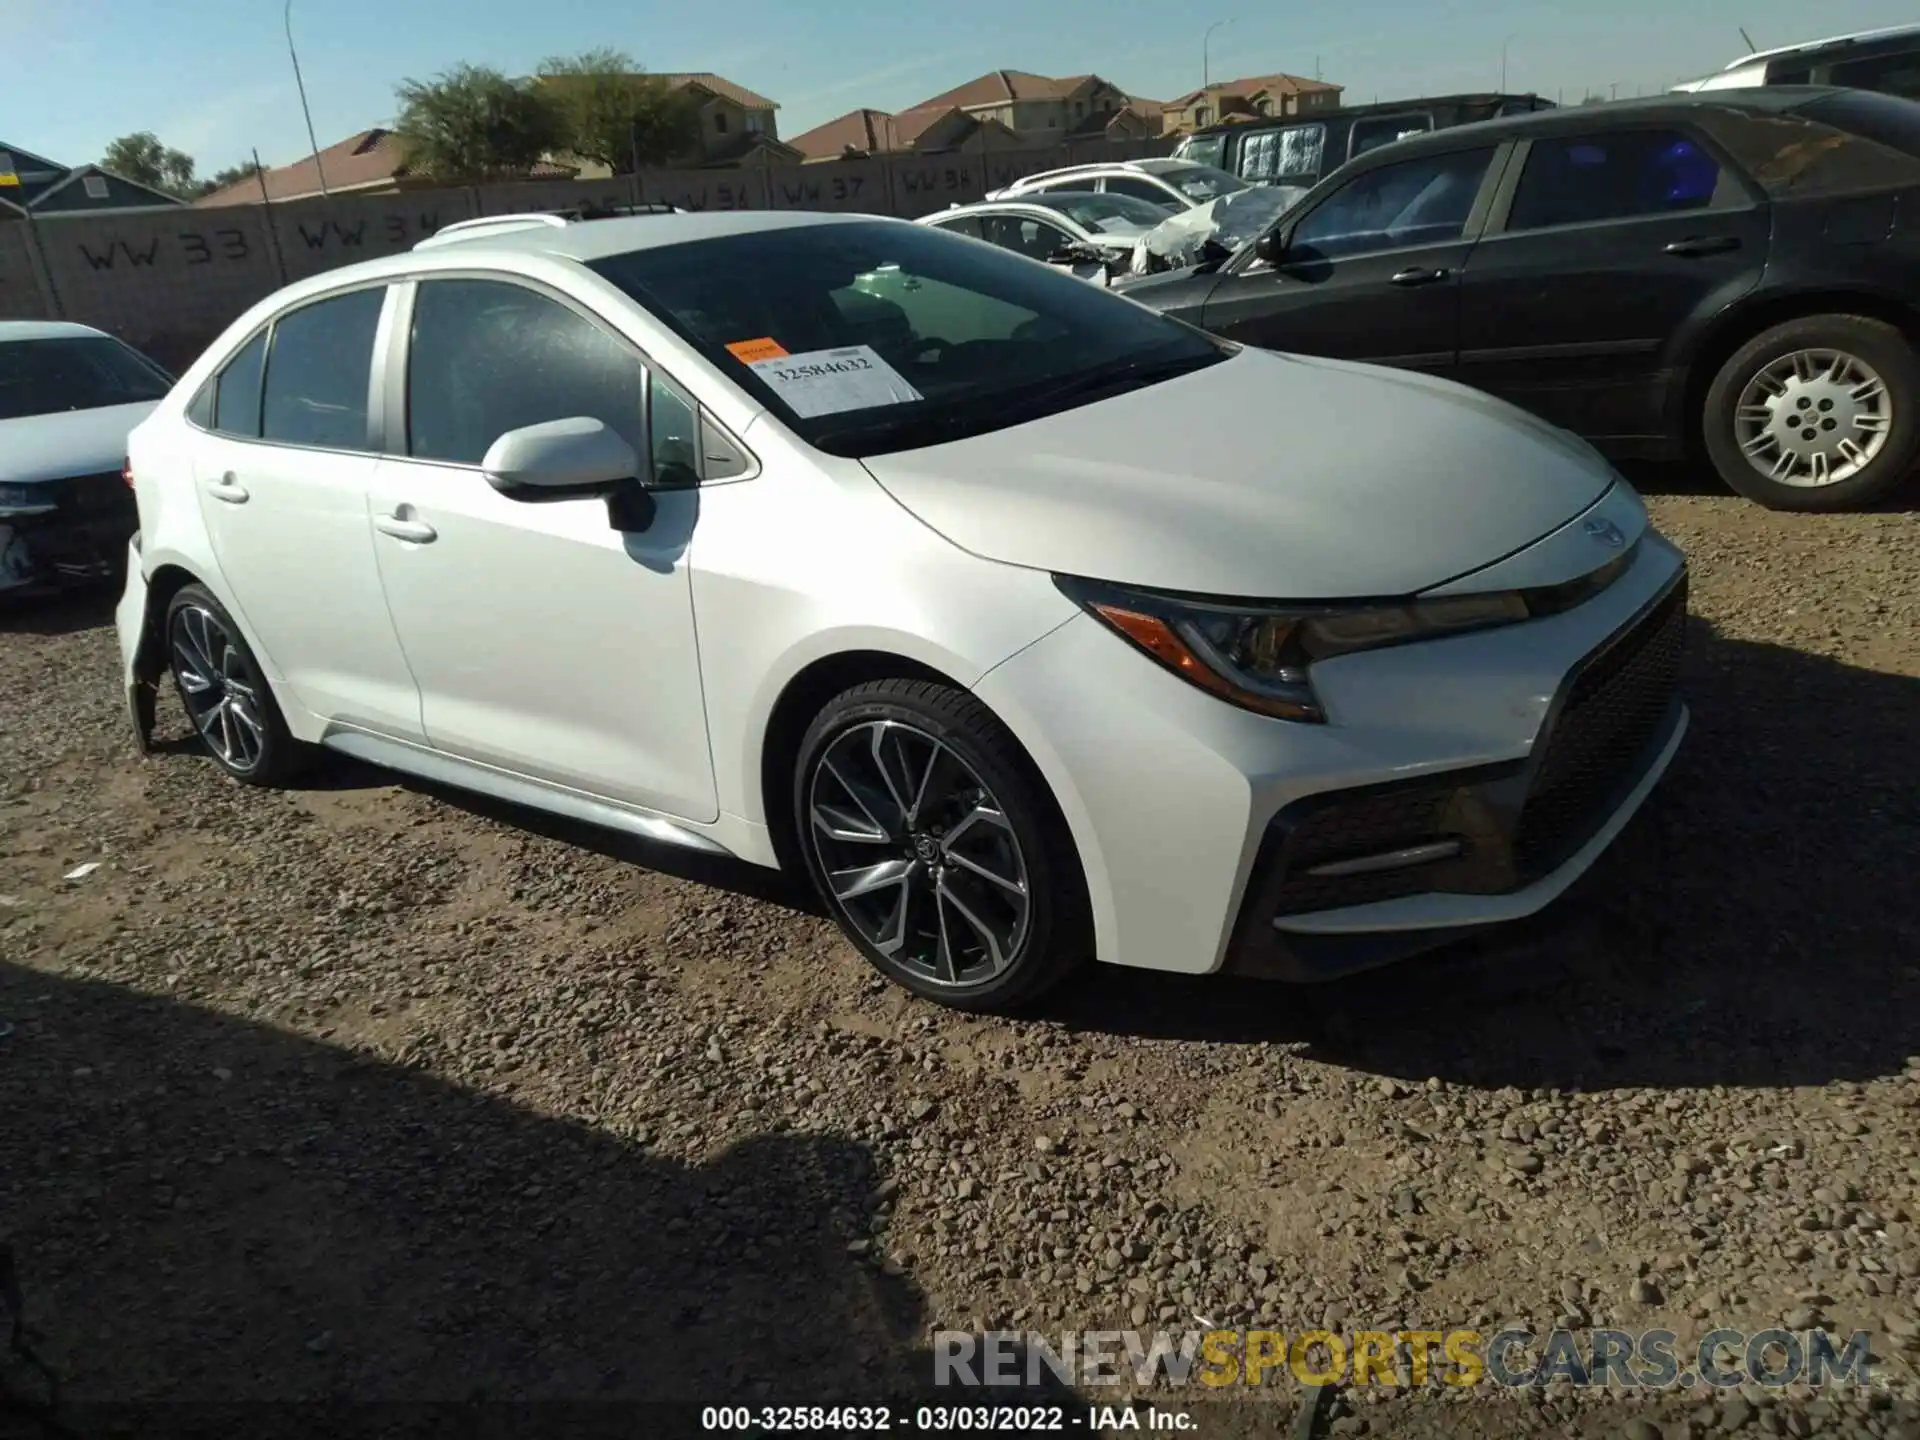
x: 365, y: 1091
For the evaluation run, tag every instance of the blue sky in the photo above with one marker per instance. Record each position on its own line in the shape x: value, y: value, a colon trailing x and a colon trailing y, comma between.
x: 211, y: 77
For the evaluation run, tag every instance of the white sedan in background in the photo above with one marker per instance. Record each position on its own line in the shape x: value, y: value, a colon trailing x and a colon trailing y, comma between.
x: 1094, y: 235
x: 69, y: 395
x: 1024, y: 622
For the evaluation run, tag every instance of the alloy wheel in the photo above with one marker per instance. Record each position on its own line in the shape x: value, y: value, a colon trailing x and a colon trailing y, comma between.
x: 219, y: 687
x: 917, y: 853
x: 1813, y: 417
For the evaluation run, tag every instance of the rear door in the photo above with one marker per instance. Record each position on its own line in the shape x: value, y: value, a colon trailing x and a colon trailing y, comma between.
x: 1372, y: 271
x: 1600, y: 250
x: 282, y: 464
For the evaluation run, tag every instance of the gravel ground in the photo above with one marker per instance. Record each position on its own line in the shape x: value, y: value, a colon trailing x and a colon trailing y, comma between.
x: 366, y: 1091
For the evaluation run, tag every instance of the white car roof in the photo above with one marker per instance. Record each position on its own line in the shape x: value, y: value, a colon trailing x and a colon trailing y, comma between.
x: 597, y: 239
x: 46, y: 330
x: 1885, y: 33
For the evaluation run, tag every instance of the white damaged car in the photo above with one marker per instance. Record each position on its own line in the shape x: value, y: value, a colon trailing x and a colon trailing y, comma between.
x: 1026, y: 624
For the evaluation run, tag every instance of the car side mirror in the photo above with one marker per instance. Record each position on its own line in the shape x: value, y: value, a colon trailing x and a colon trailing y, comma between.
x: 578, y: 458
x: 1270, y: 248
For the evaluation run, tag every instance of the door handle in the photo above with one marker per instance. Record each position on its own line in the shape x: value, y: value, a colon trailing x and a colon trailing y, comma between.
x: 229, y: 489
x: 1419, y: 276
x: 418, y: 531
x: 1704, y: 245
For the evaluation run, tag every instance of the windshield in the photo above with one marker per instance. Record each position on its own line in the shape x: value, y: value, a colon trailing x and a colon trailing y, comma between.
x: 85, y: 372
x: 1098, y: 213
x: 871, y: 336
x: 1201, y: 183
x: 1202, y: 149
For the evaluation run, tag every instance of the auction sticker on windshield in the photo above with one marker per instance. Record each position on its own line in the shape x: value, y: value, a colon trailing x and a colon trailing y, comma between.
x: 826, y: 382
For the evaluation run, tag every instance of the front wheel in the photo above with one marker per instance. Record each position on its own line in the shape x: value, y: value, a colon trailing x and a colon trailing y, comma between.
x: 935, y: 845
x: 1817, y: 414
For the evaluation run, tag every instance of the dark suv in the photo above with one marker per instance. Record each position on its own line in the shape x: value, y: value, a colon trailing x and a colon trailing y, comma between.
x: 1736, y: 272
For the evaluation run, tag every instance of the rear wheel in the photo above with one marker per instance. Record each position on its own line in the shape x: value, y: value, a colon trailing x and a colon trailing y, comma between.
x: 1817, y: 414
x: 935, y: 845
x: 225, y: 692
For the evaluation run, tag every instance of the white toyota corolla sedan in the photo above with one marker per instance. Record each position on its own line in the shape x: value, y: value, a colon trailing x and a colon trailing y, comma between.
x: 1029, y: 624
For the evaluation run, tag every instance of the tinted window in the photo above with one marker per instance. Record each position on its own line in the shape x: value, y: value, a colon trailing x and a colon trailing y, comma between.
x: 1033, y: 238
x: 1201, y: 183
x: 236, y: 402
x: 1417, y: 202
x: 1586, y: 178
x: 487, y: 357
x: 1896, y: 74
x: 1203, y: 150
x: 86, y: 372
x: 964, y: 225
x: 950, y: 339
x: 673, y: 421
x: 1384, y: 130
x: 200, y: 408
x: 319, y: 371
x: 1120, y: 214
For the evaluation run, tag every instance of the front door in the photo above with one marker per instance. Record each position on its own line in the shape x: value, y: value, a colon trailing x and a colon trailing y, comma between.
x: 283, y: 473
x: 1613, y: 241
x: 1371, y: 273
x: 545, y: 642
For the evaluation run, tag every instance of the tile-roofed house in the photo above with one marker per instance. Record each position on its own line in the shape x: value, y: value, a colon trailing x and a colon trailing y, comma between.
x: 1251, y: 97
x: 925, y: 129
x: 369, y: 163
x: 737, y: 125
x: 1041, y: 108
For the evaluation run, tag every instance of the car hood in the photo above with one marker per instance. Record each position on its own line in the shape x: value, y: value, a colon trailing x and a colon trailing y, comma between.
x: 1272, y: 476
x: 68, y: 442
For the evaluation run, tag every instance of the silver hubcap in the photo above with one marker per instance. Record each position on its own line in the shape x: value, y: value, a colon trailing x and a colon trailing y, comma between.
x: 221, y: 691
x: 1815, y: 417
x: 918, y: 854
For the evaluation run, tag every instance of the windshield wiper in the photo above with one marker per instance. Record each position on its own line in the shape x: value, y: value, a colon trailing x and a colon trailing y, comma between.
x: 1126, y: 374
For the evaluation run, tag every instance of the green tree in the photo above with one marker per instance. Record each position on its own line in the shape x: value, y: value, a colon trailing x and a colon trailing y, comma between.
x: 232, y: 175
x: 143, y: 159
x: 614, y: 114
x: 473, y: 123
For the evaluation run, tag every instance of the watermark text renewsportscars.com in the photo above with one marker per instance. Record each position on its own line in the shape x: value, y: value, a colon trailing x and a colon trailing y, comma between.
x: 1217, y: 1358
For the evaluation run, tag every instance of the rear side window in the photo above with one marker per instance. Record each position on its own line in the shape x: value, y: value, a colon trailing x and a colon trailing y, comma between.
x: 1139, y: 189
x: 1281, y: 155
x: 236, y: 394
x: 487, y: 357
x: 319, y: 372
x: 1884, y: 119
x: 963, y: 225
x: 1895, y: 74
x: 1584, y: 179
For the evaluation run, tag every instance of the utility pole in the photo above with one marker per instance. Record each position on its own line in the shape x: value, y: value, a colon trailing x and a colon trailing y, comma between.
x: 1503, y: 62
x: 312, y: 139
x: 1206, y: 68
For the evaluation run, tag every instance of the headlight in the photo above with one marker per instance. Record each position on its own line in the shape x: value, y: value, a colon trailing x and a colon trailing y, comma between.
x: 1258, y: 656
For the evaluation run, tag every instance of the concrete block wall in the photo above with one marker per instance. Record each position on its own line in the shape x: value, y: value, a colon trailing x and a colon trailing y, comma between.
x: 168, y: 282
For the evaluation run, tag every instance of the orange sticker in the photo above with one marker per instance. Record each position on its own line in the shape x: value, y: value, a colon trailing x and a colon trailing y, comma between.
x: 748, y: 351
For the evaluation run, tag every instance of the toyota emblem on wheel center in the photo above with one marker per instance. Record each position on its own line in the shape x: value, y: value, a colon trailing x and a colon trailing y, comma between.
x: 1607, y: 533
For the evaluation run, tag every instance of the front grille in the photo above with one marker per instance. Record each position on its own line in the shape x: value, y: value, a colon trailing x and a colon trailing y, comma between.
x: 1612, y: 711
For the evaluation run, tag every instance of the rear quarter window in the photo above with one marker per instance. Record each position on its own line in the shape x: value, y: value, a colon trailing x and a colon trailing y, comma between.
x: 1848, y: 141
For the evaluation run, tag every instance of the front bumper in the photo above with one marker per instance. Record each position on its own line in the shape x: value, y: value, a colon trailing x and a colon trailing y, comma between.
x: 72, y: 536
x: 1505, y: 761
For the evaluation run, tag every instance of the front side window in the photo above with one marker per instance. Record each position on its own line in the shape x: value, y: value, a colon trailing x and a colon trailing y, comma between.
x: 1584, y: 179
x: 319, y: 373
x: 1416, y: 202
x: 1202, y: 149
x: 1024, y: 235
x: 1139, y: 189
x: 960, y: 225
x: 236, y: 393
x: 1384, y: 130
x: 870, y: 336
x: 74, y: 372
x: 486, y: 357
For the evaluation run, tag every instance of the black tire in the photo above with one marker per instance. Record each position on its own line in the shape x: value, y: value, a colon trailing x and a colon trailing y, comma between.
x: 1873, y: 342
x: 919, y: 719
x: 252, y: 743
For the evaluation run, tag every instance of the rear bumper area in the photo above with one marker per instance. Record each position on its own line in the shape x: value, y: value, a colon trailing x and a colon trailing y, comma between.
x: 1351, y: 879
x: 74, y: 535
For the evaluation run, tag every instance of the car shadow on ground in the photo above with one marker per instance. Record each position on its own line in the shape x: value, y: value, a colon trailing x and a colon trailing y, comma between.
x: 1736, y: 933
x: 200, y: 1208
x: 59, y: 613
